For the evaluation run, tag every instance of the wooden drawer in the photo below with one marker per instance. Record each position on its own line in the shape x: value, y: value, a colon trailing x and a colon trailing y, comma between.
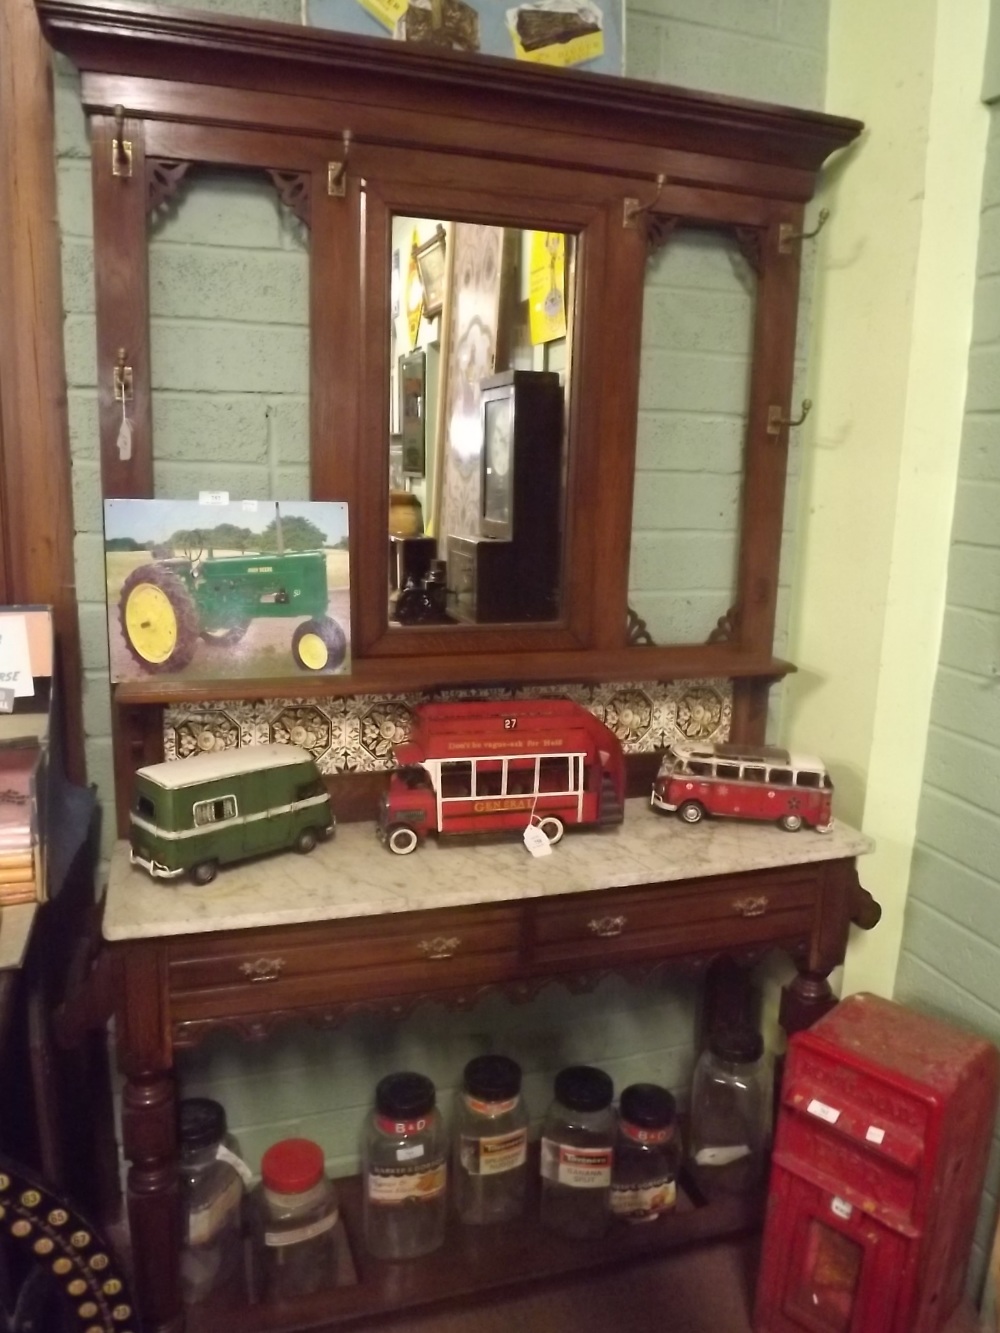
x: 364, y: 956
x: 672, y: 919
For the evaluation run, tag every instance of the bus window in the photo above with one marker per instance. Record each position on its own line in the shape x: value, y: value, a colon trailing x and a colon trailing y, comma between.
x: 780, y: 777
x: 415, y: 777
x: 314, y: 787
x: 751, y: 774
x: 456, y: 778
x: 489, y: 777
x: 807, y: 780
x: 520, y: 777
x: 214, y: 812
x: 728, y: 772
x: 553, y: 774
x: 699, y: 769
x: 145, y: 807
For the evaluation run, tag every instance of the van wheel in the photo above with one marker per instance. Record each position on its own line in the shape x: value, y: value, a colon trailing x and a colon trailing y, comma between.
x: 319, y: 645
x: 824, y: 828
x: 691, y: 812
x: 552, y: 828
x: 204, y: 872
x: 306, y: 841
x: 791, y: 823
x: 402, y: 840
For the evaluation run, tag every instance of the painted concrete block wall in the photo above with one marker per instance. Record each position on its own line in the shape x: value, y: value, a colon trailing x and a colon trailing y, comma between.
x: 229, y: 353
x: 950, y: 956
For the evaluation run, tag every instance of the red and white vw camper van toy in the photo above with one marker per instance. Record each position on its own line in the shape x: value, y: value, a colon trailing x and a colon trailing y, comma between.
x: 483, y: 766
x: 742, y: 783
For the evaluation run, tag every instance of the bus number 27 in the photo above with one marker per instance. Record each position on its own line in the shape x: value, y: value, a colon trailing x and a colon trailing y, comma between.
x: 509, y: 723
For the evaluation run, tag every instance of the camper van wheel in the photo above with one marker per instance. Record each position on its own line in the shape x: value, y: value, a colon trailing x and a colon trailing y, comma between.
x: 402, y: 840
x: 691, y: 812
x: 791, y: 823
x: 552, y: 828
x: 306, y: 840
x: 319, y: 645
x: 824, y: 828
x: 204, y: 872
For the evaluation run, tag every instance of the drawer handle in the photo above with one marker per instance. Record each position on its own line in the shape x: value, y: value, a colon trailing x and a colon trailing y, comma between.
x: 751, y: 906
x: 607, y: 926
x: 439, y: 947
x: 263, y: 969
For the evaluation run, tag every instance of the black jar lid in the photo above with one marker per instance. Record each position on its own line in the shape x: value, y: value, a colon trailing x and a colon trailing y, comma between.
x: 648, y: 1106
x: 492, y: 1078
x: 202, y: 1122
x: 583, y: 1088
x: 405, y: 1096
x: 737, y: 1045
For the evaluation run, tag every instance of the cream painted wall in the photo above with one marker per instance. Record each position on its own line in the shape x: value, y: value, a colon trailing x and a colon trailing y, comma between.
x: 892, y: 324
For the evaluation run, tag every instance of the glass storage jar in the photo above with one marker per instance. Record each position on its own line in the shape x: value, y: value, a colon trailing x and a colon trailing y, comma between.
x: 647, y: 1154
x: 212, y: 1200
x: 577, y: 1141
x: 406, y: 1169
x: 730, y: 1098
x: 491, y: 1142
x: 296, y: 1215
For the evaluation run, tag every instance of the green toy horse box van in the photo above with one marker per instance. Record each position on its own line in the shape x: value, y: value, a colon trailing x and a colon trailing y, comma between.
x: 193, y: 815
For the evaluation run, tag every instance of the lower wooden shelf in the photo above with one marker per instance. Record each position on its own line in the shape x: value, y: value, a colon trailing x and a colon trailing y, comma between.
x: 475, y: 1261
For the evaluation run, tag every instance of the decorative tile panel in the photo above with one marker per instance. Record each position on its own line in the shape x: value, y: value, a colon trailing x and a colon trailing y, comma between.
x: 358, y: 733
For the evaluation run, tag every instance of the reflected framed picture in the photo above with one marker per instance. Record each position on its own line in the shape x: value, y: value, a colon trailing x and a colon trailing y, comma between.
x: 430, y: 261
x: 412, y: 412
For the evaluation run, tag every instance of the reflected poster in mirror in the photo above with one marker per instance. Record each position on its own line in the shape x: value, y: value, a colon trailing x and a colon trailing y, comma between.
x: 243, y: 590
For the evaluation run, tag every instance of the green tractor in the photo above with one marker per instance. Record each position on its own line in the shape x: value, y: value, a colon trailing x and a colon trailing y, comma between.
x: 165, y: 606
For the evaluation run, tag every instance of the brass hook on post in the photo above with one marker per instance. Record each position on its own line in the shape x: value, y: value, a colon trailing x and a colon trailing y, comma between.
x: 121, y: 148
x: 123, y: 378
x: 775, y: 421
x: 336, y: 172
x: 632, y: 209
x: 787, y: 237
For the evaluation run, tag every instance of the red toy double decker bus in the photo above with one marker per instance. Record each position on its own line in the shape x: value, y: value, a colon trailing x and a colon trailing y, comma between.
x: 486, y: 767
x: 766, y: 783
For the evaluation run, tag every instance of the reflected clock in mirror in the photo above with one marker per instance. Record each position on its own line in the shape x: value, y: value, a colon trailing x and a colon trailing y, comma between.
x: 494, y: 328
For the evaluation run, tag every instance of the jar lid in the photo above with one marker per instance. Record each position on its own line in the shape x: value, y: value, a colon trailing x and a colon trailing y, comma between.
x: 202, y: 1122
x: 492, y: 1078
x: 583, y: 1088
x: 738, y: 1045
x: 648, y: 1106
x: 292, y: 1166
x: 404, y: 1096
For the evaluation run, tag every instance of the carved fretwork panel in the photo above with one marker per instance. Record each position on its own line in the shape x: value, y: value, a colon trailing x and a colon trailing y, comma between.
x: 659, y: 229
x: 295, y: 192
x: 726, y: 627
x: 162, y: 180
x: 636, y: 630
x: 750, y: 241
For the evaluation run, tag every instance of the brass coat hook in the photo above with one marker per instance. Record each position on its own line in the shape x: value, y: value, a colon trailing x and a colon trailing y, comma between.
x: 336, y: 175
x: 632, y: 209
x: 787, y: 237
x: 775, y: 421
x: 123, y: 378
x: 121, y: 148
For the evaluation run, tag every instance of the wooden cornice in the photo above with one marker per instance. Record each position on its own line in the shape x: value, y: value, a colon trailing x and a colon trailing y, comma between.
x: 115, y: 37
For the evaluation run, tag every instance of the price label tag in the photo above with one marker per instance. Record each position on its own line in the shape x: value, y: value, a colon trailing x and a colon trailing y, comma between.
x: 828, y: 1113
x: 841, y: 1208
x: 15, y: 659
x: 213, y: 497
x: 536, y: 841
x: 874, y: 1135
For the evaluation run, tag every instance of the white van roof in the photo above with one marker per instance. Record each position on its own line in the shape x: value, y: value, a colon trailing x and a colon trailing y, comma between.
x: 225, y: 764
x: 769, y: 755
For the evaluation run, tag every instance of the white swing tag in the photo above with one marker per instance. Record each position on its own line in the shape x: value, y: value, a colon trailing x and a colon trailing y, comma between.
x: 124, y: 441
x: 536, y: 841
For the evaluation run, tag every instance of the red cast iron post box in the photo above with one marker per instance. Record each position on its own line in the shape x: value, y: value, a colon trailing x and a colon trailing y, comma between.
x: 883, y: 1134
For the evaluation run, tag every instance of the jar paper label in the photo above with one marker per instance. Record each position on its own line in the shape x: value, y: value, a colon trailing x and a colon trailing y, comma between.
x: 494, y: 1154
x: 580, y: 1168
x: 410, y: 1154
x: 643, y: 1203
x: 204, y: 1224
x: 277, y: 1239
x: 405, y: 1184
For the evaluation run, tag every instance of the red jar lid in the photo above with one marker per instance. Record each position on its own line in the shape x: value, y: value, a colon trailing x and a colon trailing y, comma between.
x: 292, y: 1166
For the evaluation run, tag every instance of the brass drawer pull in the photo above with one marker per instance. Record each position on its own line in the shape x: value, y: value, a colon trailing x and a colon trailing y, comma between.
x: 263, y: 969
x: 439, y: 947
x: 751, y: 906
x: 607, y: 926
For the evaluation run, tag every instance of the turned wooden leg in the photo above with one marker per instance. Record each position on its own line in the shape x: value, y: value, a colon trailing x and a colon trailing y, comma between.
x: 805, y: 1000
x: 150, y: 1141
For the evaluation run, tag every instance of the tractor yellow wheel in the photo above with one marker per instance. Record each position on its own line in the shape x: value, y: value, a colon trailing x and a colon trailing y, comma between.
x: 319, y: 645
x: 313, y: 652
x: 158, y: 619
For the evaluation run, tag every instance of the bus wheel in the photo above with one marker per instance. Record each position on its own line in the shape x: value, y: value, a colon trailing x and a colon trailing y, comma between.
x: 791, y: 823
x: 552, y: 828
x: 691, y: 812
x: 402, y: 840
x: 305, y: 841
x: 204, y: 872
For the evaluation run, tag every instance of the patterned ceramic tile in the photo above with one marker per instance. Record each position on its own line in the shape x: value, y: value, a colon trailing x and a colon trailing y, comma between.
x: 357, y: 733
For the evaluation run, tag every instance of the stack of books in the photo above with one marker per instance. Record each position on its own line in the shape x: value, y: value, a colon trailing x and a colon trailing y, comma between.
x: 21, y: 878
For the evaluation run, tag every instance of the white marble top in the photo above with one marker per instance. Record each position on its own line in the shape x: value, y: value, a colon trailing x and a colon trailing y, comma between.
x: 15, y: 930
x: 354, y: 875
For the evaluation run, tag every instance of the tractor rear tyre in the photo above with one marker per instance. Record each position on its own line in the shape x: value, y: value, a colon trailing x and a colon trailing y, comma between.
x: 158, y: 619
x: 319, y: 645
